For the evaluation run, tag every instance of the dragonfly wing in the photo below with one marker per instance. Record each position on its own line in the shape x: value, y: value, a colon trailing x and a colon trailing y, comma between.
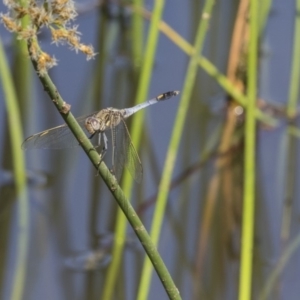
x: 133, y: 162
x: 59, y: 137
x: 125, y: 153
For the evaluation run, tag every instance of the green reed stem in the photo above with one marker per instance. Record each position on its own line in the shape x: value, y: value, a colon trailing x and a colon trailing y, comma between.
x: 264, y: 9
x: 137, y: 35
x: 174, y: 145
x: 250, y: 157
x: 16, y: 137
x: 20, y: 89
x: 295, y: 68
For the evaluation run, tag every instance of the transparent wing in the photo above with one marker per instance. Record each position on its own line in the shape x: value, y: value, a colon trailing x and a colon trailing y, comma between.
x: 59, y: 137
x: 124, y: 153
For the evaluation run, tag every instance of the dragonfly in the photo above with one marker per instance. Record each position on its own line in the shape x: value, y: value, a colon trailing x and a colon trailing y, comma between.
x: 105, y: 127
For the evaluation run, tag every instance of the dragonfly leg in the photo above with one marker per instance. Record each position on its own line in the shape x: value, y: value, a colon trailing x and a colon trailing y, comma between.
x: 99, y: 139
x: 92, y: 135
x: 104, y: 149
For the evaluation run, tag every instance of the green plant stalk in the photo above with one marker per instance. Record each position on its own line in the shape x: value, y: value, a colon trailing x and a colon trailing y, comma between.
x: 143, y: 87
x: 110, y: 182
x: 293, y: 130
x: 99, y: 69
x: 16, y: 136
x: 264, y: 8
x: 137, y: 35
x: 22, y: 78
x: 20, y: 88
x: 295, y: 68
x: 249, y: 167
x: 174, y: 144
x: 284, y: 259
x: 114, y: 268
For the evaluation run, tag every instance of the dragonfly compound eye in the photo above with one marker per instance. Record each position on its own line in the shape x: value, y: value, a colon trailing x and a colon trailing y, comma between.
x: 92, y: 125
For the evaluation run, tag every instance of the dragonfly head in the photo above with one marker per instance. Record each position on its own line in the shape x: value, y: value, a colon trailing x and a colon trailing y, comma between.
x: 92, y: 125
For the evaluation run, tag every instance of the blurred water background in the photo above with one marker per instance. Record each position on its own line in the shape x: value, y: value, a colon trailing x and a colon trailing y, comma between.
x: 72, y: 213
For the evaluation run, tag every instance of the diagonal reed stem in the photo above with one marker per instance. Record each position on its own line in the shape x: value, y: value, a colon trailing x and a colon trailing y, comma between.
x: 110, y: 182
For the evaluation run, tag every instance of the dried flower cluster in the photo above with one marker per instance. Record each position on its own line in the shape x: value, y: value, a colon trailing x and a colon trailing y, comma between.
x: 53, y: 14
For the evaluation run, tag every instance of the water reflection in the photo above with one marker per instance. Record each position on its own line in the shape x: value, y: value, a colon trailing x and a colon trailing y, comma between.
x: 35, y: 178
x: 99, y: 258
x: 89, y: 260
